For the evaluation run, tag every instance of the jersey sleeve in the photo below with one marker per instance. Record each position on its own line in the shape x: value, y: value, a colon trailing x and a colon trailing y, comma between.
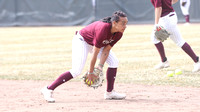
x: 158, y: 3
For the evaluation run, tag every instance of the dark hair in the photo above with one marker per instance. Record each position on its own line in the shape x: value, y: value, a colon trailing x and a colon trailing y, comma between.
x: 115, y: 17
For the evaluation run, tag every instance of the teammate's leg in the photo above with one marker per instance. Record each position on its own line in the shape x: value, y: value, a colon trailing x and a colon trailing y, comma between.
x: 179, y: 41
x: 160, y: 48
x: 185, y: 10
x: 161, y: 51
x: 176, y: 37
x: 187, y: 49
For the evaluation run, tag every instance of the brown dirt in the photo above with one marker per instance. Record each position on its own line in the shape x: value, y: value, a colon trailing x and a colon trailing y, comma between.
x: 24, y: 96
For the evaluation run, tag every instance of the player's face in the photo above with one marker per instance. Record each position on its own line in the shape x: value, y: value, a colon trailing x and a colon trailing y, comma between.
x: 121, y: 24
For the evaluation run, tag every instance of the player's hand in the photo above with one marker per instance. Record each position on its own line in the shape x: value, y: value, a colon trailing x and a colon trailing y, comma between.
x: 156, y: 27
x: 94, y: 79
x: 90, y: 78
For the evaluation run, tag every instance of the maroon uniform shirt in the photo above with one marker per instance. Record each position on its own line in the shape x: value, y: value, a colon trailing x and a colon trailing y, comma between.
x: 99, y: 34
x: 165, y: 4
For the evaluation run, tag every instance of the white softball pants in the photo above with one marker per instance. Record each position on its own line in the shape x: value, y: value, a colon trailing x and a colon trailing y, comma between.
x: 80, y: 50
x: 185, y: 9
x: 169, y: 22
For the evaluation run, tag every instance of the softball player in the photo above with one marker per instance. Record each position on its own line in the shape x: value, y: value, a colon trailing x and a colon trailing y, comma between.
x: 185, y: 5
x: 166, y: 17
x: 97, y: 38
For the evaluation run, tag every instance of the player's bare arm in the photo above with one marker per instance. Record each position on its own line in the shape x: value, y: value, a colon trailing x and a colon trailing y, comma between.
x: 174, y: 1
x: 92, y: 63
x: 94, y: 58
x: 104, y: 55
x: 158, y: 11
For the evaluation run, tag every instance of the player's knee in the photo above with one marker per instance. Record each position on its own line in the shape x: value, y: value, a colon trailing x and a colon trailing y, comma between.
x: 113, y: 63
x: 75, y: 73
x: 180, y: 43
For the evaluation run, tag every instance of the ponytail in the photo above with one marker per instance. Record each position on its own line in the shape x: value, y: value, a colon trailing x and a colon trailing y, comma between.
x: 115, y: 17
x: 106, y: 20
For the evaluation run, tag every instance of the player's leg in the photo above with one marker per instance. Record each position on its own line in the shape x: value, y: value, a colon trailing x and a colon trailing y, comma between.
x: 112, y: 61
x: 160, y: 48
x: 176, y: 37
x: 187, y: 15
x: 111, y: 72
x: 185, y: 10
x: 80, y: 51
x: 179, y: 41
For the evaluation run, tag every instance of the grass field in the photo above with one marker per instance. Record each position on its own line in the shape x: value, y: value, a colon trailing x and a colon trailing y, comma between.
x: 43, y: 53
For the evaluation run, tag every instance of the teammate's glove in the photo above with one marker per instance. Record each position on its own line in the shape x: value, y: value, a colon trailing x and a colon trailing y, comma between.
x: 161, y: 33
x: 97, y: 78
x: 183, y: 3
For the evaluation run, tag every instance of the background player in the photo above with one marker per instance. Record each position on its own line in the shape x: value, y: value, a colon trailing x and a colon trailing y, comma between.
x: 185, y: 5
x: 166, y: 17
x: 97, y: 38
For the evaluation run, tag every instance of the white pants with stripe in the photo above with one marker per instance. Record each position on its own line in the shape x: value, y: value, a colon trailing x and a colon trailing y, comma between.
x: 169, y: 22
x: 80, y: 50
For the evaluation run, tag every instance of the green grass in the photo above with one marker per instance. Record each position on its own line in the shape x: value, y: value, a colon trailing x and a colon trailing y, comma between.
x: 43, y: 53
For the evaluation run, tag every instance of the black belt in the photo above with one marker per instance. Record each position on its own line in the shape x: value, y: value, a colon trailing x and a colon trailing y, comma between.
x: 171, y: 15
x: 79, y: 38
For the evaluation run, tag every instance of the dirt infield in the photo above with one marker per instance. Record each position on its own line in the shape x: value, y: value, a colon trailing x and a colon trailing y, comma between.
x: 24, y: 96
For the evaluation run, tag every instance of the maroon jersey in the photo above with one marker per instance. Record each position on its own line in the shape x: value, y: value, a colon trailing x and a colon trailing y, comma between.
x: 165, y: 4
x: 99, y: 34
